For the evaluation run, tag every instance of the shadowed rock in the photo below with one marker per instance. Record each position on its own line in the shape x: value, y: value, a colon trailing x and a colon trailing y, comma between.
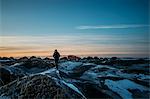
x: 38, y: 86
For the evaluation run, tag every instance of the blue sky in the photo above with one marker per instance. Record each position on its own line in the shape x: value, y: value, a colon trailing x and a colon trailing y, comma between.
x: 121, y: 22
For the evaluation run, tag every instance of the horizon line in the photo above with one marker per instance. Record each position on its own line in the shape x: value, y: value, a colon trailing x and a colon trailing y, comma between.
x: 89, y: 55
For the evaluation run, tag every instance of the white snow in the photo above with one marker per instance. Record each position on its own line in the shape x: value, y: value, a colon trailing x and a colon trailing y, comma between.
x: 5, y: 60
x: 107, y: 75
x: 58, y: 74
x: 73, y: 87
x: 144, y: 77
x: 88, y: 64
x: 69, y: 65
x: 16, y: 64
x: 103, y: 66
x: 91, y: 76
x: 48, y: 71
x: 131, y: 76
x: 52, y: 70
x: 66, y: 83
x: 121, y: 87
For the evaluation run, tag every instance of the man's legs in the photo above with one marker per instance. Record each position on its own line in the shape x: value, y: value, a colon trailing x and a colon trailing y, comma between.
x: 56, y: 63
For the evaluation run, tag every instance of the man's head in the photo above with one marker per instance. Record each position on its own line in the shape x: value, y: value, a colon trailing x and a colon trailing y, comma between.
x: 55, y: 50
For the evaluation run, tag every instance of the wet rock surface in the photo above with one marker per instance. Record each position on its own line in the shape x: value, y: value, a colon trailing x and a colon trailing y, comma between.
x: 37, y: 78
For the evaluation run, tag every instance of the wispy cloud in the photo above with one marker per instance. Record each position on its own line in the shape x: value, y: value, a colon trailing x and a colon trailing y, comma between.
x: 121, y: 26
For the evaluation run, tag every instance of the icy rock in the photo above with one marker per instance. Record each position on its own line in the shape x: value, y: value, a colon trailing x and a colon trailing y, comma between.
x: 38, y: 86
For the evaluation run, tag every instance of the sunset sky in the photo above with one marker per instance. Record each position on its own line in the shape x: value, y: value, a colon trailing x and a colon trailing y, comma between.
x: 76, y: 27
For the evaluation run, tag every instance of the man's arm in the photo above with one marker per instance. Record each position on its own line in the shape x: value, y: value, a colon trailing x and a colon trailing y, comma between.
x: 54, y: 55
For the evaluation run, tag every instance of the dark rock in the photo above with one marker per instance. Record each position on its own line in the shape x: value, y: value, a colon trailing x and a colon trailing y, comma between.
x: 89, y: 58
x: 138, y: 69
x: 38, y: 86
x: 93, y: 91
x: 73, y: 57
x: 32, y: 57
x: 22, y: 59
x: 47, y: 59
x: 96, y: 58
x: 78, y: 71
x: 64, y: 58
x: 35, y: 78
x: 5, y: 76
x: 113, y: 58
x: 38, y: 63
x: 4, y: 61
x: 138, y: 94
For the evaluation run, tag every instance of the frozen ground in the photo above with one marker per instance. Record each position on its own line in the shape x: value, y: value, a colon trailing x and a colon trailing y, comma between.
x: 84, y: 79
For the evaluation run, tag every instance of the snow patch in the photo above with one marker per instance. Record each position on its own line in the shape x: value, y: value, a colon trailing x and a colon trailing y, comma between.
x: 88, y: 64
x: 139, y: 76
x: 16, y: 64
x: 91, y: 76
x: 69, y: 65
x: 73, y: 87
x: 5, y: 60
x: 48, y: 71
x: 121, y: 87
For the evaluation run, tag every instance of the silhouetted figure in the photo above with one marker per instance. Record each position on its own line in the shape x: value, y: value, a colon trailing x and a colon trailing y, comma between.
x: 56, y: 56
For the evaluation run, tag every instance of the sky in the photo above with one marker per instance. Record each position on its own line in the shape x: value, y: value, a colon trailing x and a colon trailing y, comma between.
x: 74, y: 27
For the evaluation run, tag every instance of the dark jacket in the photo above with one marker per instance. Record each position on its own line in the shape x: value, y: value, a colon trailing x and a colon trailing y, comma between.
x: 56, y: 55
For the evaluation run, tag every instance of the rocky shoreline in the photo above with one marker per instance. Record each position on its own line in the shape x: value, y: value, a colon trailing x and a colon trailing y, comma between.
x: 84, y: 78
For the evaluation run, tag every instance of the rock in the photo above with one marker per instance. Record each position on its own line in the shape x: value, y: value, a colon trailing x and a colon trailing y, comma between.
x: 138, y: 94
x: 5, y: 76
x: 38, y: 86
x: 23, y: 59
x: 10, y: 73
x: 64, y: 59
x: 73, y: 57
x: 47, y: 59
x: 93, y: 91
x: 79, y: 70
x: 36, y: 63
x: 38, y: 78
x: 138, y: 69
x: 4, y: 61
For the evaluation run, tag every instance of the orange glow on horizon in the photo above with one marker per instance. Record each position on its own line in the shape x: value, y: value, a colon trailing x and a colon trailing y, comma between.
x: 18, y: 46
x: 63, y: 53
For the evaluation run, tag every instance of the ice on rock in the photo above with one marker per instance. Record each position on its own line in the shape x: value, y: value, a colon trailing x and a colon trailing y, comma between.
x: 48, y: 71
x: 121, y: 87
x: 69, y: 65
x: 74, y: 88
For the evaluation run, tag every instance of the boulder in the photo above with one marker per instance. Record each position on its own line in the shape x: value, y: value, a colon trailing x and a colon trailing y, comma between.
x: 37, y: 87
x: 36, y: 63
x: 93, y: 91
x: 5, y: 76
x: 79, y: 70
x: 23, y: 59
x: 73, y: 57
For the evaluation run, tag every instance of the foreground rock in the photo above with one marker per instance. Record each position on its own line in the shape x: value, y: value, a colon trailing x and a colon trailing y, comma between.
x: 38, y: 86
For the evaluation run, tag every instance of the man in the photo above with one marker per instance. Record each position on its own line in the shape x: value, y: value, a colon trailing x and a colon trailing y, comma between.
x: 56, y: 56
